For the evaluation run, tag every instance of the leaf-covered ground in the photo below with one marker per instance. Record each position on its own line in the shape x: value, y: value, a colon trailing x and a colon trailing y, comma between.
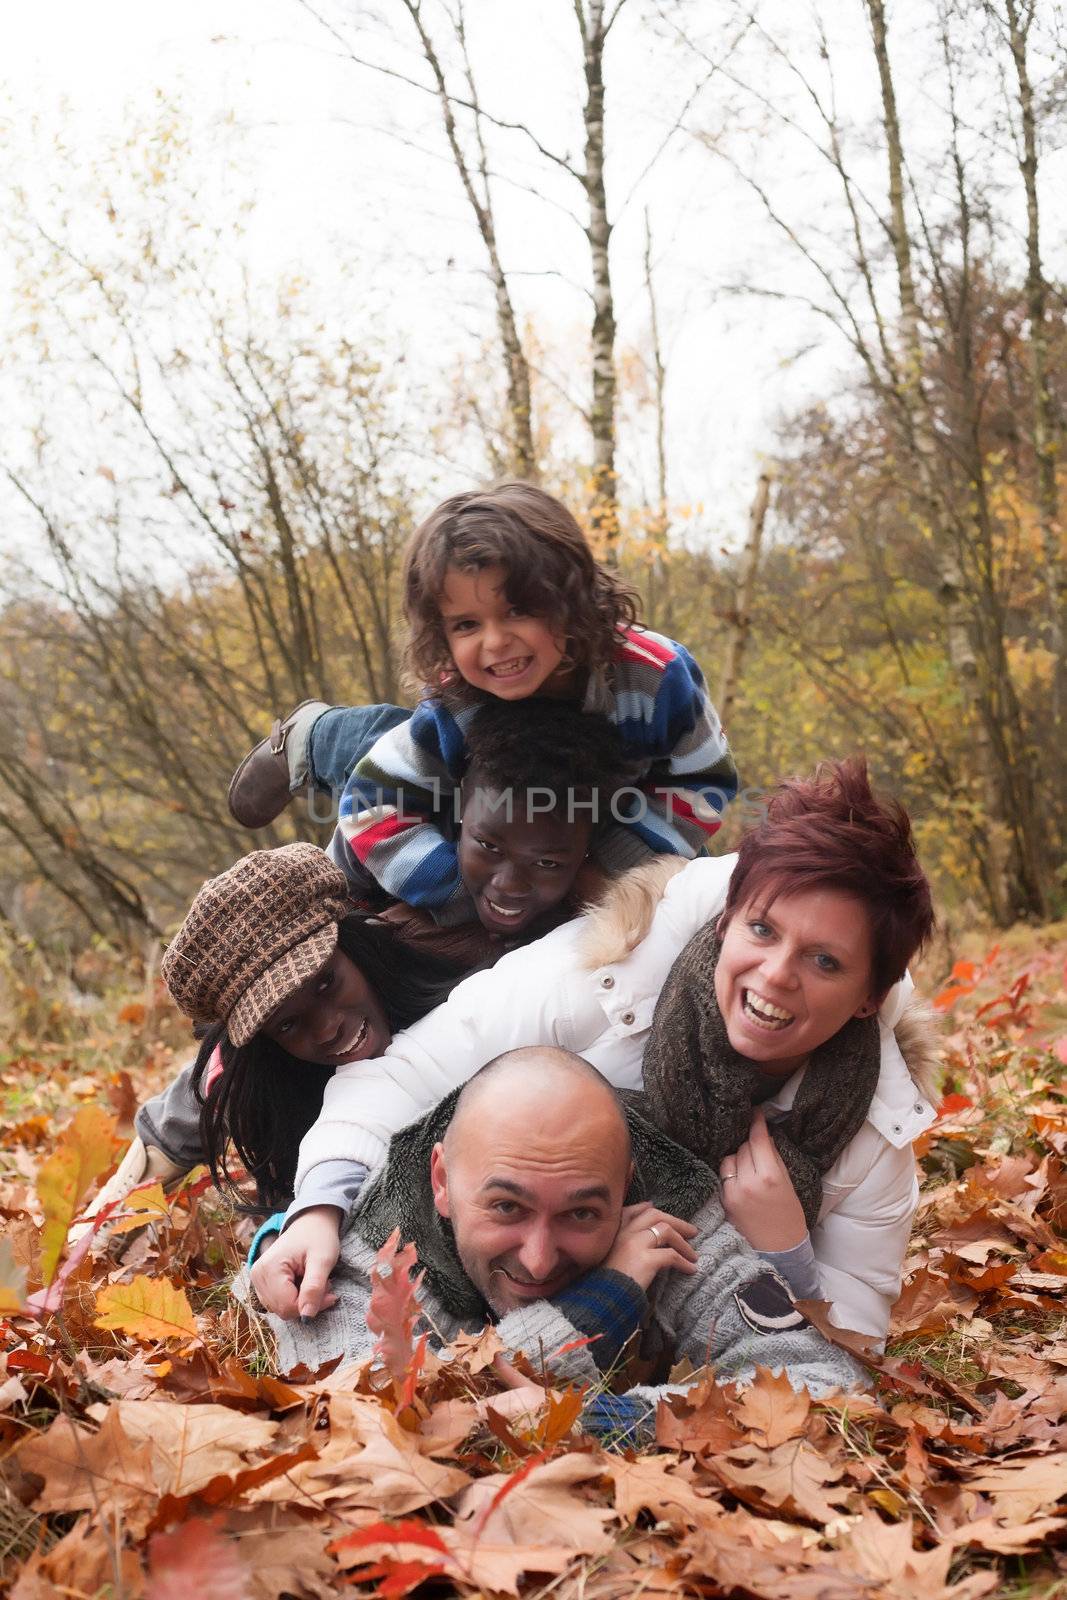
x: 148, y: 1449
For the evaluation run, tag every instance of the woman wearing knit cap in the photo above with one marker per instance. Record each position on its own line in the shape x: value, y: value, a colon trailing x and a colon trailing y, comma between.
x: 762, y: 1003
x: 285, y: 980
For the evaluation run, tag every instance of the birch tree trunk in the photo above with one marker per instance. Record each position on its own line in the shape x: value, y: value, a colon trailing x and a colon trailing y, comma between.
x: 594, y: 28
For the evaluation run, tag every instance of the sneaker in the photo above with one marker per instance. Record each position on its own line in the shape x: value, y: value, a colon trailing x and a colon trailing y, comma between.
x: 275, y: 769
x: 142, y: 1163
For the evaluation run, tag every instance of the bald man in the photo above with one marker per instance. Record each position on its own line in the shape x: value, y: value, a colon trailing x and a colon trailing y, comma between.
x: 536, y: 1201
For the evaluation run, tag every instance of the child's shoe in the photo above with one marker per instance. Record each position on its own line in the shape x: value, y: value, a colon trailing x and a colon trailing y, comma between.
x: 275, y: 769
x: 142, y: 1163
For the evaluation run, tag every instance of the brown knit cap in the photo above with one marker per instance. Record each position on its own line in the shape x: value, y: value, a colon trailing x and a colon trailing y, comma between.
x: 253, y: 935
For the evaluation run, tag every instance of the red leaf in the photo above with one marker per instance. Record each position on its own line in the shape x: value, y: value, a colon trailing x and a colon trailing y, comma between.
x: 28, y: 1361
x: 954, y: 1102
x: 394, y: 1305
x: 576, y: 1344
x: 399, y: 1533
x: 948, y: 996
x: 400, y: 1577
x: 196, y: 1560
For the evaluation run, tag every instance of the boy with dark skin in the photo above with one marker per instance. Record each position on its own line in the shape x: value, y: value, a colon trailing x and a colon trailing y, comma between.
x: 538, y: 789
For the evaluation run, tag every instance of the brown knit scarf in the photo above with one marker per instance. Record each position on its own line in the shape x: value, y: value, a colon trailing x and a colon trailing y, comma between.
x: 699, y: 1090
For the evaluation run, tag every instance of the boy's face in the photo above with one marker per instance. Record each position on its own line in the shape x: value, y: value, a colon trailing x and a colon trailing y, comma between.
x: 495, y: 647
x: 518, y: 870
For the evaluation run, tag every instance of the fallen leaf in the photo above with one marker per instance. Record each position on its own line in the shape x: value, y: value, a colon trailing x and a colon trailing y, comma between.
x: 82, y: 1153
x: 929, y: 1302
x: 148, y: 1308
x: 698, y: 1420
x: 771, y: 1406
x: 661, y: 1486
x: 988, y: 1534
x: 12, y: 1280
x: 394, y: 1306
x: 109, y: 1471
x: 536, y: 1506
x: 1023, y: 1487
x: 196, y: 1560
x: 285, y: 1554
x: 370, y: 1461
x: 476, y: 1351
x: 86, y: 1561
x: 141, y: 1206
x: 190, y: 1445
x: 883, y: 1553
x: 792, y: 1475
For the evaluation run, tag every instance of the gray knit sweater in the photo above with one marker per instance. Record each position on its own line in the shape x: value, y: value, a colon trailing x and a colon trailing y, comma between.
x: 732, y: 1314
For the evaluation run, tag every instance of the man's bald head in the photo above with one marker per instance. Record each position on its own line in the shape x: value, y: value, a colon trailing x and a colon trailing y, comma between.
x: 541, y: 1078
x: 532, y: 1173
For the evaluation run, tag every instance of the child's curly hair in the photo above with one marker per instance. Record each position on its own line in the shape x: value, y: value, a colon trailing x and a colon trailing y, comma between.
x: 551, y: 572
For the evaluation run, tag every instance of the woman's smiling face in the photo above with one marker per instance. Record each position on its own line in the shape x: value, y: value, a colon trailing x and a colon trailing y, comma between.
x: 791, y: 974
x: 333, y: 1018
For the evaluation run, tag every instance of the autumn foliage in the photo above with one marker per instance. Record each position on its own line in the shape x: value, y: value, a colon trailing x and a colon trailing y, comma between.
x: 150, y: 1450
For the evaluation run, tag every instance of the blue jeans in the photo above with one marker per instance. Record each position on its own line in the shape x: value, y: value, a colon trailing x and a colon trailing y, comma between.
x: 341, y: 737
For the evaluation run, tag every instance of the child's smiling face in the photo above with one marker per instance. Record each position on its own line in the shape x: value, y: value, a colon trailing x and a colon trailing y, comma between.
x: 494, y: 646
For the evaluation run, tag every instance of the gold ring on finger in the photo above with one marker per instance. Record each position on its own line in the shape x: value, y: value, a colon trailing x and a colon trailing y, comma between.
x: 654, y: 1231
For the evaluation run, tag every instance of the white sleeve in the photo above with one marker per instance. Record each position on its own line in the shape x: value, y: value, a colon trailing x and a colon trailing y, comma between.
x: 517, y: 1002
x: 860, y: 1242
x: 693, y: 896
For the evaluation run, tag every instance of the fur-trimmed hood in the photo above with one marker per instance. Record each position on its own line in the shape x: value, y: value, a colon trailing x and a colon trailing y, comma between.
x: 917, y: 1035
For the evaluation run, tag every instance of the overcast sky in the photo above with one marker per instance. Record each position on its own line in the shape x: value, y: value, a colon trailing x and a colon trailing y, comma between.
x: 352, y: 189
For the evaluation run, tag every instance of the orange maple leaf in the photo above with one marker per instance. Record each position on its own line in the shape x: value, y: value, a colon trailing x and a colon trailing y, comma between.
x: 147, y: 1308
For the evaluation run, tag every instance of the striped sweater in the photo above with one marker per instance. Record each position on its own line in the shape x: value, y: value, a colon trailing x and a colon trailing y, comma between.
x: 396, y: 818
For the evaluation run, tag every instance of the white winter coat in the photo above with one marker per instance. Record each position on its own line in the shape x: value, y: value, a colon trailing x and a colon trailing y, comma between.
x: 547, y: 993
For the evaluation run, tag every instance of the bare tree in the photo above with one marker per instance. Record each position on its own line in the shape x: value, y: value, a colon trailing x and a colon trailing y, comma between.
x: 595, y: 20
x: 1016, y: 19
x: 475, y: 179
x: 249, y: 558
x: 921, y: 360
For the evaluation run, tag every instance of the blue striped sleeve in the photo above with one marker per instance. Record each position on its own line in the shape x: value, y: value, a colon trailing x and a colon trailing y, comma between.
x: 608, y: 1307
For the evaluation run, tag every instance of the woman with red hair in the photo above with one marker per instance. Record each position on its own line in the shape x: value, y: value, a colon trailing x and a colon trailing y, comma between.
x: 762, y: 1003
x: 767, y: 1056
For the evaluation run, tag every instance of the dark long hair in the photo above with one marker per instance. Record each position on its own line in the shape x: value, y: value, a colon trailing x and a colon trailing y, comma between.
x: 266, y: 1100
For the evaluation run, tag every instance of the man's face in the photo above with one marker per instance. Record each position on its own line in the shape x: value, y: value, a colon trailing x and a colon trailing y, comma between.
x: 533, y: 1206
x: 519, y: 870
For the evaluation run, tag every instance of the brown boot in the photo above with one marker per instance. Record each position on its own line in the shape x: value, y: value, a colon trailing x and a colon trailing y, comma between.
x: 275, y: 769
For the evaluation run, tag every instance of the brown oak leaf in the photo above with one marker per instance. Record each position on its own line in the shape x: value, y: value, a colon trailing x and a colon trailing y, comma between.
x: 190, y: 1445
x: 109, y: 1471
x: 791, y: 1475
